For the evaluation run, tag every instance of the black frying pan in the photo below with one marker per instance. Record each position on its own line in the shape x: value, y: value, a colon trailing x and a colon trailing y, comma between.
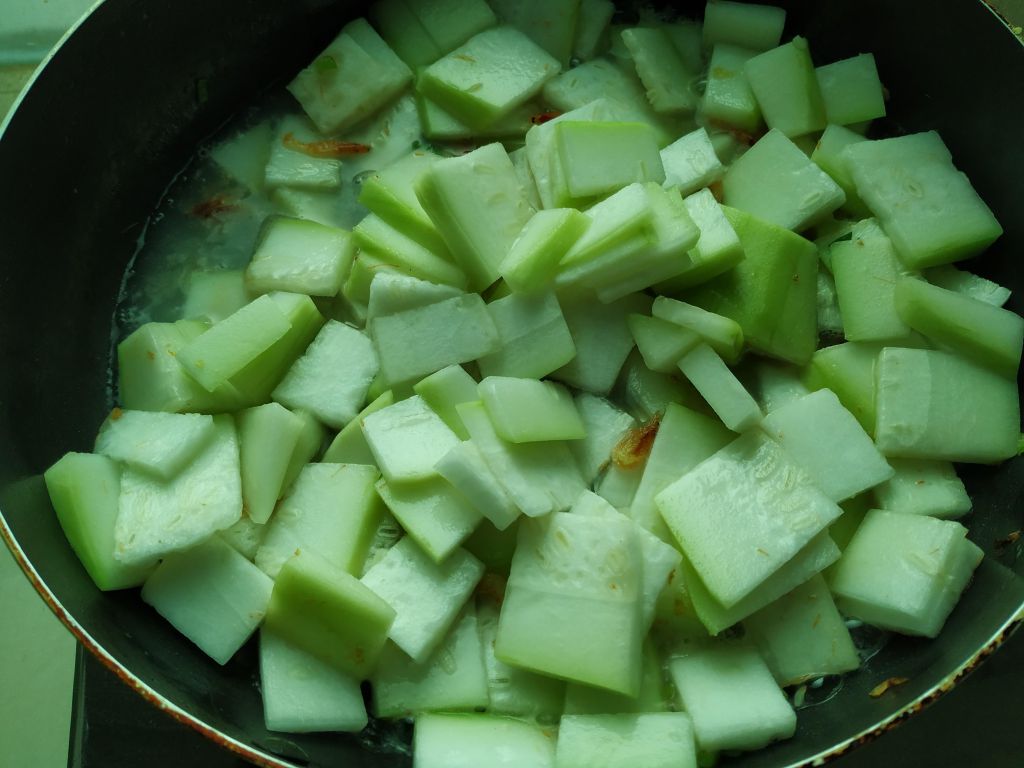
x: 121, y: 107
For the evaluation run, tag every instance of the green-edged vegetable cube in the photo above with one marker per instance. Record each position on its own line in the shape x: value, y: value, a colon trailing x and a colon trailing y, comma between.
x: 212, y: 595
x: 653, y: 740
x: 535, y: 338
x: 489, y: 75
x: 479, y: 207
x: 851, y: 90
x: 757, y: 27
x: 925, y: 205
x: 302, y: 694
x: 970, y: 413
x: 735, y: 547
x: 84, y: 489
x: 330, y: 614
x: 786, y: 88
x: 530, y: 411
x: 904, y: 572
x: 354, y: 76
x: 728, y: 98
x: 777, y: 182
x: 331, y: 510
x: 300, y: 256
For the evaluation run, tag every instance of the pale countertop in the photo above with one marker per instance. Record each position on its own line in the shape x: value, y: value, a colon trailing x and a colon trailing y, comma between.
x: 37, y: 654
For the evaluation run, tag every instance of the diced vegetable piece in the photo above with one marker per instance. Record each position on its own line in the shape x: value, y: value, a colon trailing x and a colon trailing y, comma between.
x: 377, y: 238
x: 842, y: 464
x: 720, y: 387
x: 533, y: 258
x: 452, y: 678
x: 851, y: 90
x: 355, y: 75
x: 572, y: 607
x: 535, y: 339
x: 953, y: 279
x: 478, y: 206
x: 390, y: 193
x: 420, y: 341
x: 407, y: 439
x: 757, y: 27
x: 772, y: 293
x: 867, y: 270
x: 540, y: 139
x: 539, y: 477
x: 434, y: 516
x: 212, y: 595
x: 925, y: 205
x: 786, y: 88
x: 333, y: 376
x: 489, y: 75
x: 661, y: 69
x: 591, y: 28
x: 990, y: 335
x: 904, y: 572
x: 656, y: 251
x: 967, y: 413
x: 472, y: 740
x: 731, y: 698
x: 551, y: 25
x: 426, y: 596
x: 267, y: 438
x: 728, y: 99
x: 300, y: 256
x: 778, y: 183
x: 290, y: 165
x: 820, y: 553
x: 330, y: 614
x: 604, y: 424
x: 690, y: 163
x: 684, y: 439
x: 529, y: 411
x: 734, y: 547
x: 84, y: 489
x: 331, y: 510
x: 802, y: 636
x: 923, y: 487
x: 302, y: 694
x: 597, y: 158
x: 225, y: 350
x: 160, y: 444
x: 158, y: 517
x: 214, y: 295
x: 653, y: 740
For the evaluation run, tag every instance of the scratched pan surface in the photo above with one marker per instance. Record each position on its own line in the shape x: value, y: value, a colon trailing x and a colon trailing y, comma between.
x: 119, y: 109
